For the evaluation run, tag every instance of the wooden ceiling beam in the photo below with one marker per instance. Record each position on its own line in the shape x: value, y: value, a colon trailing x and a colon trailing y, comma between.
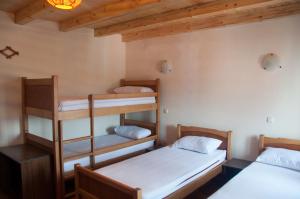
x: 30, y: 11
x: 179, y: 14
x: 103, y: 12
x: 282, y: 8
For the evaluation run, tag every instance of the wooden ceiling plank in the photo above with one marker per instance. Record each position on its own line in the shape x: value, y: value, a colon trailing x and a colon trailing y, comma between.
x: 179, y: 14
x: 221, y: 19
x: 30, y: 11
x: 103, y: 12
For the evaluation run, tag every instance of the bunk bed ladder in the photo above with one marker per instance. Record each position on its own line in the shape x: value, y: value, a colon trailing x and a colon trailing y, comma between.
x: 92, y: 128
x: 90, y: 137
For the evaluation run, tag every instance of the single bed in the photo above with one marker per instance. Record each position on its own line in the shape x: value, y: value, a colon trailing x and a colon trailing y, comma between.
x: 264, y: 181
x: 172, y: 166
x: 164, y: 173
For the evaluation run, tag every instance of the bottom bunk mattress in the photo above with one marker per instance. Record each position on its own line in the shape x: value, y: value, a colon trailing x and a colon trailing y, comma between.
x: 163, y: 171
x: 262, y: 181
x: 101, y: 142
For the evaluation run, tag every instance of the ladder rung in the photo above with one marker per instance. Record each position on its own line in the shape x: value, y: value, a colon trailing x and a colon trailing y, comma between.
x: 78, y: 156
x: 77, y: 139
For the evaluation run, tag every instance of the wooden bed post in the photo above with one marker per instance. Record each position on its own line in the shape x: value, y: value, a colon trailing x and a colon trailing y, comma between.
x: 56, y: 150
x: 178, y: 131
x: 139, y: 193
x: 24, y: 118
x: 158, y: 112
x: 92, y: 126
x: 122, y: 116
x: 261, y: 143
x: 76, y: 166
x: 61, y: 155
x: 229, y: 151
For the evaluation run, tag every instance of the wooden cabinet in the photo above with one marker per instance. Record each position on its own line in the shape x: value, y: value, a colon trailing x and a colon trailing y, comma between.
x: 25, y: 173
x: 232, y: 167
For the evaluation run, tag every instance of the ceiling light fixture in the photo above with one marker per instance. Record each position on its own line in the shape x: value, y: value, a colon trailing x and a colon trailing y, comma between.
x: 64, y: 4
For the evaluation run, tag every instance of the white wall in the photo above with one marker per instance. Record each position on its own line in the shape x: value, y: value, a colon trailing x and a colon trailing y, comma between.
x: 217, y: 81
x: 84, y: 64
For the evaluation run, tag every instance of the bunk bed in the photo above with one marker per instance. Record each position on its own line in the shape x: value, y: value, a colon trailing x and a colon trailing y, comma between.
x: 40, y: 98
x: 187, y: 171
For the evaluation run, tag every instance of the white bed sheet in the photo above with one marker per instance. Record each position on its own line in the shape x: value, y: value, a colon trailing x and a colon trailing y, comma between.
x: 70, y: 105
x: 69, y: 166
x: 163, y: 171
x: 262, y: 181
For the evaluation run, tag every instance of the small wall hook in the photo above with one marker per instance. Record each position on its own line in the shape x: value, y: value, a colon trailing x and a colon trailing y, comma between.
x: 8, y: 52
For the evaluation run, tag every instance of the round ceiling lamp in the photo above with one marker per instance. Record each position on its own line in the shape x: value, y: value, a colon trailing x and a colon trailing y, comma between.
x: 64, y: 4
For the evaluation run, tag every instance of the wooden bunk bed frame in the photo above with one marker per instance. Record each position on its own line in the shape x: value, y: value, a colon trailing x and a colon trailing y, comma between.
x: 91, y: 185
x: 40, y: 98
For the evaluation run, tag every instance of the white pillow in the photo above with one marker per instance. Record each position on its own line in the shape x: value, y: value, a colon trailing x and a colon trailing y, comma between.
x: 280, y: 157
x: 133, y: 132
x: 133, y: 89
x: 197, y: 143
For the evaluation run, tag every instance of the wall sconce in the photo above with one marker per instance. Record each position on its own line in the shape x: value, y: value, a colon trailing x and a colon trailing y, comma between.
x: 270, y: 62
x: 165, y: 67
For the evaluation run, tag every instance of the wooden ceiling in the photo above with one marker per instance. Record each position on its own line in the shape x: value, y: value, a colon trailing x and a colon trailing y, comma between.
x: 140, y: 19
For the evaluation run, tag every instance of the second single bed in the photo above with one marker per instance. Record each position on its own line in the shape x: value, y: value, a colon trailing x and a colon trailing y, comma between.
x: 168, y: 172
x: 262, y: 180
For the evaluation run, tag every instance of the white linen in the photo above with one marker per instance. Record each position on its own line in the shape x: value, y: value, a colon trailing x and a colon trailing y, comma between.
x: 133, y: 89
x: 280, y: 157
x: 133, y: 132
x: 262, y: 181
x: 163, y: 171
x: 69, y: 166
x: 71, y: 105
x: 198, y: 143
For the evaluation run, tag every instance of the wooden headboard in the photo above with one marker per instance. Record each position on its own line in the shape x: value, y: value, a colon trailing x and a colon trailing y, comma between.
x: 154, y: 84
x: 225, y: 136
x: 278, y: 143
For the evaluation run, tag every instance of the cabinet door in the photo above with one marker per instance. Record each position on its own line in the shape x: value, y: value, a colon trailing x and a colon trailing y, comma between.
x: 36, y: 178
x: 10, y: 181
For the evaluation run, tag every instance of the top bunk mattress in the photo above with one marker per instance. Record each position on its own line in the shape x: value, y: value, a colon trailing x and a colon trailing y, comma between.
x: 266, y: 181
x: 81, y: 104
x: 173, y: 167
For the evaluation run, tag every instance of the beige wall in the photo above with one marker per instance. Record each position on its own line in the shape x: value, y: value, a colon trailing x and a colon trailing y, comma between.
x: 217, y: 81
x: 84, y: 64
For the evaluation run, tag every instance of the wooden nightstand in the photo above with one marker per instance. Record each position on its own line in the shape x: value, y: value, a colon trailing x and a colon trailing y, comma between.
x: 25, y: 173
x: 233, y: 167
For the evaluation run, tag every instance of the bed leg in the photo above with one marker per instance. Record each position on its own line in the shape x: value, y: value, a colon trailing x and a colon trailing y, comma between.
x: 76, y: 166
